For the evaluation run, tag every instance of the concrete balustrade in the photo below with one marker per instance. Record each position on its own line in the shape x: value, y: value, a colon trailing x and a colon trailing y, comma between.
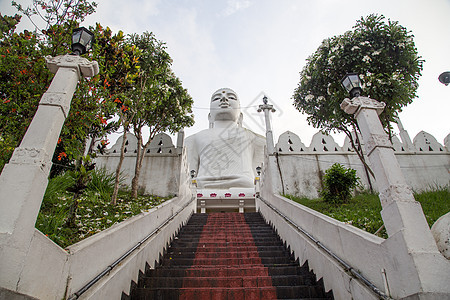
x: 362, y: 250
x: 67, y: 271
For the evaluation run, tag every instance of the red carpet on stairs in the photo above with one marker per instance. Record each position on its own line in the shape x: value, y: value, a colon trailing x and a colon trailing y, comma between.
x: 227, y: 264
x: 227, y: 256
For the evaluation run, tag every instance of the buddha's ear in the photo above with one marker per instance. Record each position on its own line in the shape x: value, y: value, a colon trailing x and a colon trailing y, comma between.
x: 239, y: 122
x: 211, y: 121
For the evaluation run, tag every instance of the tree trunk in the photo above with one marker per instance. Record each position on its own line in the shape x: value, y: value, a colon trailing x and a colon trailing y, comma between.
x: 70, y: 222
x: 359, y: 152
x: 119, y: 166
x: 137, y: 168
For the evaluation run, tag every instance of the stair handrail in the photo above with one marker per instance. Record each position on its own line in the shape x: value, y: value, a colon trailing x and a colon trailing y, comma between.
x: 355, y: 274
x: 88, y: 285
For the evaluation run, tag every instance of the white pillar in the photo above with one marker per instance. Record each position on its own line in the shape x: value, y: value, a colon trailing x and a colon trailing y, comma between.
x: 24, y: 179
x: 267, y: 108
x: 180, y: 141
x: 406, y: 140
x: 416, y: 266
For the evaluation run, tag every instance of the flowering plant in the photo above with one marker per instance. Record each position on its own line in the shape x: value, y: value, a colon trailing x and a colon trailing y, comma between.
x: 384, y: 55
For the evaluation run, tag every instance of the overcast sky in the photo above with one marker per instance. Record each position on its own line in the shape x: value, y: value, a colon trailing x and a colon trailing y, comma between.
x: 259, y: 47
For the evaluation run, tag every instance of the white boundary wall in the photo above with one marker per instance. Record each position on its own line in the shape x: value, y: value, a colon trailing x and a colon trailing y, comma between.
x: 425, y: 167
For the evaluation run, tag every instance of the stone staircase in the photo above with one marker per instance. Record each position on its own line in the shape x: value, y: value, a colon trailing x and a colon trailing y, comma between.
x: 228, y: 256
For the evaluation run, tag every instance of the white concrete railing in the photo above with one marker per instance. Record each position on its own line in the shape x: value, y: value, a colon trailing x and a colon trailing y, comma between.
x: 361, y: 250
x: 66, y: 272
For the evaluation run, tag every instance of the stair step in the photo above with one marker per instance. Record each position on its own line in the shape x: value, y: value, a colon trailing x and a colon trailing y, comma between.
x: 205, y: 293
x: 189, y: 282
x: 278, y: 248
x: 229, y: 281
x: 233, y: 253
x: 228, y: 256
x: 225, y: 271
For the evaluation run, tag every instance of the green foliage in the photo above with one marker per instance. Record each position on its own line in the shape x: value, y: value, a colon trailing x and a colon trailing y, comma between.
x: 338, y: 184
x: 102, y: 182
x: 384, y: 55
x: 158, y: 100
x: 81, y: 176
x: 435, y: 203
x: 94, y: 212
x: 363, y: 210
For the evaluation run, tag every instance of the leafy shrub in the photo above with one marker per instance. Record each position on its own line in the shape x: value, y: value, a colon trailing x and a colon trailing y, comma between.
x: 338, y: 184
x: 102, y: 182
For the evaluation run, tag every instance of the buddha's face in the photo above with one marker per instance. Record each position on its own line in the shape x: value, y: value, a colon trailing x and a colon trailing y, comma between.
x: 225, y: 105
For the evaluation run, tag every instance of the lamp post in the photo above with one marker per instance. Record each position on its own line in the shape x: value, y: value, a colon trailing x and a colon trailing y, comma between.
x: 258, y: 171
x: 82, y: 40
x: 193, y: 180
x: 410, y: 240
x: 445, y: 78
x: 24, y: 179
x: 269, y: 135
x: 352, y: 83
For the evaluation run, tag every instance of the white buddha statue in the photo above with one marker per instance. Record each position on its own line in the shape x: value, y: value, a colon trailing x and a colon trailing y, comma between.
x: 225, y: 155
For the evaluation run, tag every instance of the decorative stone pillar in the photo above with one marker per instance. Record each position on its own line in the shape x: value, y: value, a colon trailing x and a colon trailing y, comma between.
x: 269, y: 135
x: 406, y: 140
x: 180, y: 141
x: 24, y: 179
x: 416, y: 265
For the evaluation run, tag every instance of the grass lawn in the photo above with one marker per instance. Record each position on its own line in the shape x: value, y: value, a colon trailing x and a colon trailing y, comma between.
x: 363, y: 211
x: 94, y: 214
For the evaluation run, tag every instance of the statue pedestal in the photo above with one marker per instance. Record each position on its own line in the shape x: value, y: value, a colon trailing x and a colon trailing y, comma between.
x: 226, y: 200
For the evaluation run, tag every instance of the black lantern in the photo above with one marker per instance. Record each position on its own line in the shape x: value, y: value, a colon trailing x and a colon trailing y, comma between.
x: 82, y: 40
x: 445, y: 78
x: 193, y: 173
x: 258, y: 170
x: 352, y: 84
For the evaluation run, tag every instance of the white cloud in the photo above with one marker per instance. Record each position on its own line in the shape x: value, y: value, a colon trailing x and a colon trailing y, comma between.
x: 234, y: 6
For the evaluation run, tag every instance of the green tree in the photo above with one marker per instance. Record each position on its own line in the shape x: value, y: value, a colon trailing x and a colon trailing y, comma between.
x: 385, y: 56
x: 25, y: 78
x: 118, y: 61
x: 159, y: 102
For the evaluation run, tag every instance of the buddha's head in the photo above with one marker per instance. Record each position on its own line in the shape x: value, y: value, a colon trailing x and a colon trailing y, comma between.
x: 225, y: 106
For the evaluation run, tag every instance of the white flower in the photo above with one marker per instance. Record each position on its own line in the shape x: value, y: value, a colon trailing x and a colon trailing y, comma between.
x: 355, y: 48
x: 320, y: 98
x: 376, y: 53
x: 366, y: 58
x: 309, y: 97
x: 364, y: 43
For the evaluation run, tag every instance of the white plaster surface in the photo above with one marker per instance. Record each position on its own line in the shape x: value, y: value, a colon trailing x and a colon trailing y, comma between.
x: 441, y: 234
x: 24, y: 179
